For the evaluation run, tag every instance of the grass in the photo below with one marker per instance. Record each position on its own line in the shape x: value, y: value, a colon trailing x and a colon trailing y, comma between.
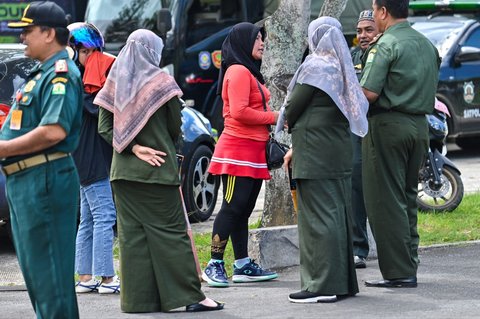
x: 463, y: 224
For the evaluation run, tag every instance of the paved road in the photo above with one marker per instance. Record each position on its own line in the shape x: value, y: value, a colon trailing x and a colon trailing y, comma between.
x: 449, y: 281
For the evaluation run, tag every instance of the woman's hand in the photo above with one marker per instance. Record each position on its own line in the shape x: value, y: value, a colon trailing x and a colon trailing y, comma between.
x: 149, y: 155
x: 287, y: 159
x: 276, y: 114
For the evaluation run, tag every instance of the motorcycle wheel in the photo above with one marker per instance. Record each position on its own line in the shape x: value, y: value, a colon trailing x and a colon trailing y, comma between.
x: 443, y: 198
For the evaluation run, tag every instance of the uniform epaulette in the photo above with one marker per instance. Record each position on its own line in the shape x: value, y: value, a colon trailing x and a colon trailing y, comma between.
x: 61, y: 66
x: 375, y: 39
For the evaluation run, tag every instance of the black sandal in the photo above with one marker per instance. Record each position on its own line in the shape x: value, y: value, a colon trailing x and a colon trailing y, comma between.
x: 199, y: 307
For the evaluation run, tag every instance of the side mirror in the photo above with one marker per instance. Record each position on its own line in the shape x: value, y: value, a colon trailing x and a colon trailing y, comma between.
x: 466, y: 54
x: 164, y: 22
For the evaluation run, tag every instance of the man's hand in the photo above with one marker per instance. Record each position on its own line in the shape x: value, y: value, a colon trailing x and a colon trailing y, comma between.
x: 149, y: 155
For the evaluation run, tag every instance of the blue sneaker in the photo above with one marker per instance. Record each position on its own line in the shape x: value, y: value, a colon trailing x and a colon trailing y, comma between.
x: 215, y: 274
x: 252, y: 272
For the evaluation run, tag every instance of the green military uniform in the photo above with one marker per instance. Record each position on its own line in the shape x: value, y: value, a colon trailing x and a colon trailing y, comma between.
x: 402, y: 67
x: 359, y: 214
x: 322, y: 166
x: 43, y: 199
x: 156, y: 259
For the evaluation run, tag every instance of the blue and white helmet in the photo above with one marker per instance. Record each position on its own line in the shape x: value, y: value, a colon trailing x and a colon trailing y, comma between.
x: 85, y: 34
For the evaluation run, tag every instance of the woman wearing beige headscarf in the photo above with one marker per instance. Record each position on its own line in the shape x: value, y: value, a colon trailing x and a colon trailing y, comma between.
x: 324, y: 102
x: 140, y: 115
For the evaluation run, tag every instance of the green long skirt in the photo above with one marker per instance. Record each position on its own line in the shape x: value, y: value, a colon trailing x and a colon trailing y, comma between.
x: 324, y: 229
x: 156, y: 260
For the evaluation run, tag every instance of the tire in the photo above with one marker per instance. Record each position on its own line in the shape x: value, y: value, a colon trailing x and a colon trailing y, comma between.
x: 445, y: 198
x: 200, y: 189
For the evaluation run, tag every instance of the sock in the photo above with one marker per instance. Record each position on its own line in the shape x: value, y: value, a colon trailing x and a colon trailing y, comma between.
x: 215, y: 261
x: 239, y: 263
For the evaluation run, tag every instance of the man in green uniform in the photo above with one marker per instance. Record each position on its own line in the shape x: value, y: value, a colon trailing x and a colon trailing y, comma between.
x: 366, y: 32
x: 399, y: 80
x: 41, y: 130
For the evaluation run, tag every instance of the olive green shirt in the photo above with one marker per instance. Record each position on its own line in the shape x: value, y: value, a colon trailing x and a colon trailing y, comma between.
x: 402, y: 67
x: 160, y: 133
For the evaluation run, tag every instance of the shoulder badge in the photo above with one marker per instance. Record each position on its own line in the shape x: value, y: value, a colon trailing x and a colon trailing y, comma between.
x: 58, y: 89
x: 59, y: 79
x: 61, y: 66
x: 29, y: 86
x: 371, y: 55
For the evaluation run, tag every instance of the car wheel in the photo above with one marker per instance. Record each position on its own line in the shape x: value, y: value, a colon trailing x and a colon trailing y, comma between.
x: 199, y: 187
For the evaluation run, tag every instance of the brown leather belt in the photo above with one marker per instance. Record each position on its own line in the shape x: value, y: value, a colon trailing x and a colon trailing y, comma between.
x: 31, y: 162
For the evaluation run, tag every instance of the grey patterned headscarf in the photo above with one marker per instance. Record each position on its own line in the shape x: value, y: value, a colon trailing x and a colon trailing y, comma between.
x: 329, y: 67
x: 136, y: 87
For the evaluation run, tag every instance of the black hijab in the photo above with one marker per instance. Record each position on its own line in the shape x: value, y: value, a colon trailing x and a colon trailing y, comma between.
x: 237, y: 49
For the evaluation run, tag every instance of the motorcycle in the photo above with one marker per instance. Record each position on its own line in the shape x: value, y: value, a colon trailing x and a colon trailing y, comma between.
x: 440, y: 188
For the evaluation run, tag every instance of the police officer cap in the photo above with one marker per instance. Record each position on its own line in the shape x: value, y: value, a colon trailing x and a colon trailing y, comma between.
x: 366, y: 15
x: 42, y: 13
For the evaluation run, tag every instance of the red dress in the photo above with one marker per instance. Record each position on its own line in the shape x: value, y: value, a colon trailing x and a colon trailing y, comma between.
x: 240, y: 150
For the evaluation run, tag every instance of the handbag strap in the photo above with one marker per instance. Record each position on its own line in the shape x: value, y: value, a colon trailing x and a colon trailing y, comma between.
x: 264, y: 104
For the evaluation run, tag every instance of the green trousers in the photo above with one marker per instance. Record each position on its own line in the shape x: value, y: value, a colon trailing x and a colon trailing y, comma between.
x: 324, y: 231
x: 393, y: 152
x: 157, y: 266
x: 43, y: 203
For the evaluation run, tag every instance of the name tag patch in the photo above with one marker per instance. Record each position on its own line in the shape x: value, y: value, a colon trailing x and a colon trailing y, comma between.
x: 16, y: 120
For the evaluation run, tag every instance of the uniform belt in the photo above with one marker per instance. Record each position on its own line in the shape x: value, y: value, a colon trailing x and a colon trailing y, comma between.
x: 31, y: 162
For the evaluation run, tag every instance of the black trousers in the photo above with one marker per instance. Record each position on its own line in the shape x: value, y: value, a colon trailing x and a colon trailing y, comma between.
x: 239, y: 198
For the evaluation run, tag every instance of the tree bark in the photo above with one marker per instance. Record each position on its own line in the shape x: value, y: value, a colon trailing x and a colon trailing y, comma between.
x: 285, y: 45
x: 333, y: 8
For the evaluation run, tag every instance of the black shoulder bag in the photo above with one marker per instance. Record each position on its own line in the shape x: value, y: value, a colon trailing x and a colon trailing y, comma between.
x: 275, y: 151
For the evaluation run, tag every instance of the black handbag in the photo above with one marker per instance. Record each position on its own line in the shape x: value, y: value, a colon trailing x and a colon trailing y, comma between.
x: 274, y: 151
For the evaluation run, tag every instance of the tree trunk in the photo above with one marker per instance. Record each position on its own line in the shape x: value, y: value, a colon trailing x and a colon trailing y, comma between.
x: 285, y: 45
x: 333, y: 8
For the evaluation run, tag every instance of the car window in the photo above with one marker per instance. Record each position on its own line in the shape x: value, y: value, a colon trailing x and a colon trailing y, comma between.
x: 443, y: 34
x: 473, y: 39
x: 14, y: 68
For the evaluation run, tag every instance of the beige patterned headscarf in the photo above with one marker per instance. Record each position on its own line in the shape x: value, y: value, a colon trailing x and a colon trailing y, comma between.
x: 136, y: 87
x: 329, y: 67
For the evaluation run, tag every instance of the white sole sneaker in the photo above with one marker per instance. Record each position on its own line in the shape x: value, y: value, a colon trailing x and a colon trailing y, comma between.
x: 212, y: 283
x: 110, y: 288
x: 86, y: 286
x: 316, y: 299
x: 245, y: 278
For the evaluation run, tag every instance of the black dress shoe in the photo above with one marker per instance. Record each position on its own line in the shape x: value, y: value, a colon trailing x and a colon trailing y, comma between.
x: 199, y: 307
x: 409, y: 282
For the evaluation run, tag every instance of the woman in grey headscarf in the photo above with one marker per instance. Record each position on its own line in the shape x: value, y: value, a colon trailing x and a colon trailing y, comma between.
x: 324, y: 101
x: 140, y: 115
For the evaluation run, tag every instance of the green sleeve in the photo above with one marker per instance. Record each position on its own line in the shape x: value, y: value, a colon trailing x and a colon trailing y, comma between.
x: 105, y: 125
x: 376, y: 68
x: 174, y: 118
x: 297, y: 102
x: 60, y: 105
